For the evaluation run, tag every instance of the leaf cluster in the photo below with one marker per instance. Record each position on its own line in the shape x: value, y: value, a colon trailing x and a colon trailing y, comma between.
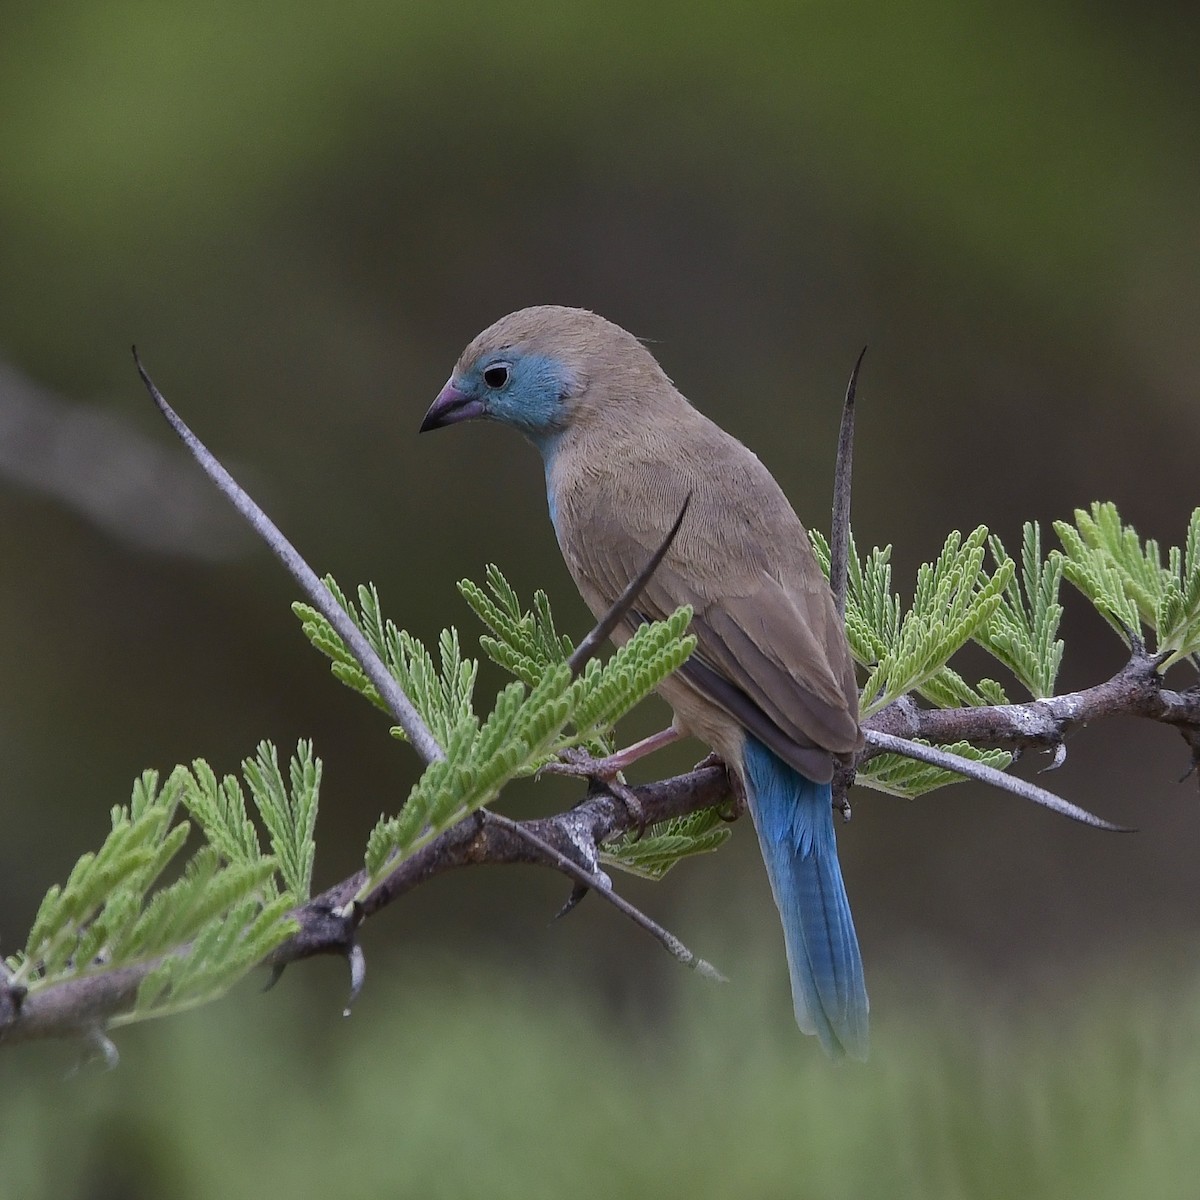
x: 663, y: 845
x: 1022, y: 630
x: 1126, y: 581
x: 956, y: 600
x: 544, y: 711
x: 222, y: 913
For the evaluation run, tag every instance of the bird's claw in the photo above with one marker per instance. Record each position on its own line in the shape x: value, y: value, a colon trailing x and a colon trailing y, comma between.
x: 580, y: 764
x: 738, y: 803
x: 601, y: 773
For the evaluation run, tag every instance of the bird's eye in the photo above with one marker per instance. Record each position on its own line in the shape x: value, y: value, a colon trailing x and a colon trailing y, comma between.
x: 496, y: 376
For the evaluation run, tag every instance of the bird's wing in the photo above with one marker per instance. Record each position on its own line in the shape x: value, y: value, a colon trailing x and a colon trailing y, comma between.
x: 771, y: 651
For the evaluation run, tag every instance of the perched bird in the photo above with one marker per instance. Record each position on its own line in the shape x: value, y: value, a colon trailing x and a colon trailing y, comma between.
x: 770, y: 687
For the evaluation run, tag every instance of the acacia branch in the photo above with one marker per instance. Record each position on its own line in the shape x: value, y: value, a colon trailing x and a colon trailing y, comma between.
x: 329, y: 923
x: 570, y: 842
x: 1137, y: 690
x: 82, y: 1006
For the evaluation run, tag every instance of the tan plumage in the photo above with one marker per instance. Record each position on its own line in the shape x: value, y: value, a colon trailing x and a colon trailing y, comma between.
x: 632, y: 451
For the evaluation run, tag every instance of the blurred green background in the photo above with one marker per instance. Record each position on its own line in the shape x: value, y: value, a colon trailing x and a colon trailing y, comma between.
x: 301, y: 214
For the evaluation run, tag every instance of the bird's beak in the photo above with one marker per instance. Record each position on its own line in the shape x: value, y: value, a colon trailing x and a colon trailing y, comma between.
x: 450, y: 407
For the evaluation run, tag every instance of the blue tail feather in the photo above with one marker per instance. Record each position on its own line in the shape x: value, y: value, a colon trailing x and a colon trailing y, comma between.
x: 794, y: 819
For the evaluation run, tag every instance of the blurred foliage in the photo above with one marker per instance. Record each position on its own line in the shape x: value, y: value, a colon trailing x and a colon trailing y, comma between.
x: 464, y: 1082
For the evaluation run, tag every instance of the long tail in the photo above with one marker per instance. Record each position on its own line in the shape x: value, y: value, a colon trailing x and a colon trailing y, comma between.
x: 794, y: 820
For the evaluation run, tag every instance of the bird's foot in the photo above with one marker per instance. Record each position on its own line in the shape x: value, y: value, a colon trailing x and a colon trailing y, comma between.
x: 737, y: 789
x: 582, y: 765
x: 604, y: 773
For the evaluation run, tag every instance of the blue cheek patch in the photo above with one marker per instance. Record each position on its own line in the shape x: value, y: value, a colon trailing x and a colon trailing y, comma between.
x: 533, y: 400
x: 542, y: 382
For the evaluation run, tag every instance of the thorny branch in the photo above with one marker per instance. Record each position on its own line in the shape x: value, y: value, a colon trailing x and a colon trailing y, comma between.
x: 570, y: 841
x: 329, y: 923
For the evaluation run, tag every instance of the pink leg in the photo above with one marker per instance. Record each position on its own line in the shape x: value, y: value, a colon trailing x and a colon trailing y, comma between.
x: 648, y: 745
x: 578, y: 762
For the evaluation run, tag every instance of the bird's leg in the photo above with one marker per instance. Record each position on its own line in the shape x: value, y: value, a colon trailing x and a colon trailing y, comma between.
x: 607, y: 771
x: 579, y: 762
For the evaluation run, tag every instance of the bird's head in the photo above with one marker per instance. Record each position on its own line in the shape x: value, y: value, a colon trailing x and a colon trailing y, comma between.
x: 534, y: 370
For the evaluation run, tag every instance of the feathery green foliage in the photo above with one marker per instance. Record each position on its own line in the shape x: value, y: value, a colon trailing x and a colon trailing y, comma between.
x: 525, y: 644
x: 953, y: 599
x: 663, y: 845
x: 1127, y: 583
x: 1021, y: 633
x: 905, y: 777
x: 290, y: 815
x: 908, y: 651
x: 228, y: 907
x: 605, y: 692
x: 480, y: 760
x: 538, y: 716
x: 1014, y: 616
x: 221, y: 916
x: 442, y: 697
x: 100, y: 901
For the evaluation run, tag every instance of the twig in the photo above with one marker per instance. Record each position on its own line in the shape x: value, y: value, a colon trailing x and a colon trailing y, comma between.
x: 889, y: 743
x: 602, y: 886
x: 1136, y: 690
x: 588, y: 648
x: 322, y: 599
x: 76, y: 1007
x: 839, y: 532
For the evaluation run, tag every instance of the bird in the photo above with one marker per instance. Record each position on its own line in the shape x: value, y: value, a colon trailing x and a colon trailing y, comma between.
x: 771, y: 685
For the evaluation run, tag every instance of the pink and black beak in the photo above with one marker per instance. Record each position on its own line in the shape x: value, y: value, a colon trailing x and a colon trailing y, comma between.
x: 450, y: 407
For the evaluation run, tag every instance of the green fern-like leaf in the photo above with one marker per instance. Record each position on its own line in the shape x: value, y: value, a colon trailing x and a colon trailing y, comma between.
x: 224, y: 949
x: 1126, y: 581
x: 480, y: 760
x: 321, y: 634
x: 1097, y: 563
x: 442, y: 695
x: 900, y: 776
x: 220, y: 810
x: 525, y: 643
x: 207, y: 928
x: 664, y: 845
x: 290, y: 816
x: 953, y: 599
x: 1177, y: 617
x: 77, y: 921
x: 606, y: 692
x: 1022, y: 631
x: 873, y: 611
x: 946, y: 688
